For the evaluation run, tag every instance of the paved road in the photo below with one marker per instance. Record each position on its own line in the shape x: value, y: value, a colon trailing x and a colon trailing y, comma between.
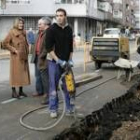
x: 10, y: 128
x: 91, y: 100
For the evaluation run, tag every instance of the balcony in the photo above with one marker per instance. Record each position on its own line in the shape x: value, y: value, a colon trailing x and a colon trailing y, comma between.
x: 102, y: 0
x: 117, y: 1
x: 94, y: 13
x: 84, y: 9
x: 69, y: 1
x: 78, y: 10
x: 105, y: 6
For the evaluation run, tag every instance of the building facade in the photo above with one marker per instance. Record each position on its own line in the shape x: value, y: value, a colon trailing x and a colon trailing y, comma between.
x: 86, y: 17
x: 137, y: 14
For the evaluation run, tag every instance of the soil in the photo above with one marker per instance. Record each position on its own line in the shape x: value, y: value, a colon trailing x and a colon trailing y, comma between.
x: 128, y: 131
x: 117, y: 120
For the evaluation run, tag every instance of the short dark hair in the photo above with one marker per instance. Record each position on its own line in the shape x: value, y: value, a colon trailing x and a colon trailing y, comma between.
x: 62, y: 10
x: 46, y: 20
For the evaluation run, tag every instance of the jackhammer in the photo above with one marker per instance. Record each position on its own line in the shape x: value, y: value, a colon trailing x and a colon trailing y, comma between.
x: 70, y: 85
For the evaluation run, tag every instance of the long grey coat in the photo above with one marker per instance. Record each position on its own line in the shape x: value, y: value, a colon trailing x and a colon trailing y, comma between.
x: 19, y: 68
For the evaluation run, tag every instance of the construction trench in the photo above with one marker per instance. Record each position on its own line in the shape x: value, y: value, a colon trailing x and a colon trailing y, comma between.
x: 116, y: 120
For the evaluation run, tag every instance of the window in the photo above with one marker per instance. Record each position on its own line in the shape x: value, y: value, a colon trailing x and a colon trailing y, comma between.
x: 117, y: 14
x: 132, y: 11
x: 18, y: 1
x: 3, y: 4
x: 15, y: 1
x: 69, y: 1
x: 127, y: 18
x: 31, y: 22
x: 127, y: 6
x: 117, y: 1
x: 57, y: 1
x: 105, y: 6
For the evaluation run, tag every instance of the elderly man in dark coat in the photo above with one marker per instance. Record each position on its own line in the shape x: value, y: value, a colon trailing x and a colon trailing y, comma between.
x: 39, y: 59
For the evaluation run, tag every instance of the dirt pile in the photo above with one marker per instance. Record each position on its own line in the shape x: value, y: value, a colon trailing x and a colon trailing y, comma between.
x: 117, y: 120
x: 128, y: 131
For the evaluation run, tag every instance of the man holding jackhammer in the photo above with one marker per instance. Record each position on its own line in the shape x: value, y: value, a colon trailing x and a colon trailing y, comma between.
x: 59, y: 45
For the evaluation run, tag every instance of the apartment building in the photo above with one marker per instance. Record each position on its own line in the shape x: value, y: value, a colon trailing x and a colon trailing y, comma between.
x: 137, y: 14
x: 129, y: 19
x: 121, y: 12
x: 86, y: 17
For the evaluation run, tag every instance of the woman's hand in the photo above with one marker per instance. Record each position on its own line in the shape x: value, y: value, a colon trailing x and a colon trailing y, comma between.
x: 15, y: 52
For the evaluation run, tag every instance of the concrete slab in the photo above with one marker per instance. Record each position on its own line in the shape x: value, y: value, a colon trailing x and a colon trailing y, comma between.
x: 86, y: 78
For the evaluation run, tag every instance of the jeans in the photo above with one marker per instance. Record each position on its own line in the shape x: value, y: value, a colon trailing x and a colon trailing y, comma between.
x: 45, y: 80
x: 55, y: 72
x: 38, y: 83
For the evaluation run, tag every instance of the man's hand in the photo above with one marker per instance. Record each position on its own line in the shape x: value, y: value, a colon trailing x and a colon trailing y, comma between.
x: 138, y: 65
x: 62, y: 63
x: 71, y: 63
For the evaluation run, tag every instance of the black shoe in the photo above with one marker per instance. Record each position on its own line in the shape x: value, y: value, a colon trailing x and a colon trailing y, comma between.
x: 15, y: 95
x: 22, y: 94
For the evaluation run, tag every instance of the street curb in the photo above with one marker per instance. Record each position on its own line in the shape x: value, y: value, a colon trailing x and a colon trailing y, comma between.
x: 87, y: 78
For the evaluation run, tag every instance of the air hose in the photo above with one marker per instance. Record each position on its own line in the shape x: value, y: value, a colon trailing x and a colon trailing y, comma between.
x: 58, y: 120
x: 64, y: 106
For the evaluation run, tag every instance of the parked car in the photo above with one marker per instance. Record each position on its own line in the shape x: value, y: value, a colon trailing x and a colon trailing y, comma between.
x: 132, y: 36
x: 112, y: 32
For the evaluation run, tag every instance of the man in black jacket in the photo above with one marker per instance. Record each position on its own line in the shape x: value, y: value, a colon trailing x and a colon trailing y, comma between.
x: 59, y: 45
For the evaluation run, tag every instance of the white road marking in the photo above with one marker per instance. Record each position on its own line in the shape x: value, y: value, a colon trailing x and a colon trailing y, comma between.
x: 11, y: 100
x: 8, y: 101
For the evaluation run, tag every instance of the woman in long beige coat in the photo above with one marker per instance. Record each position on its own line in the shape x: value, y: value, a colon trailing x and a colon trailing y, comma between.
x: 16, y: 43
